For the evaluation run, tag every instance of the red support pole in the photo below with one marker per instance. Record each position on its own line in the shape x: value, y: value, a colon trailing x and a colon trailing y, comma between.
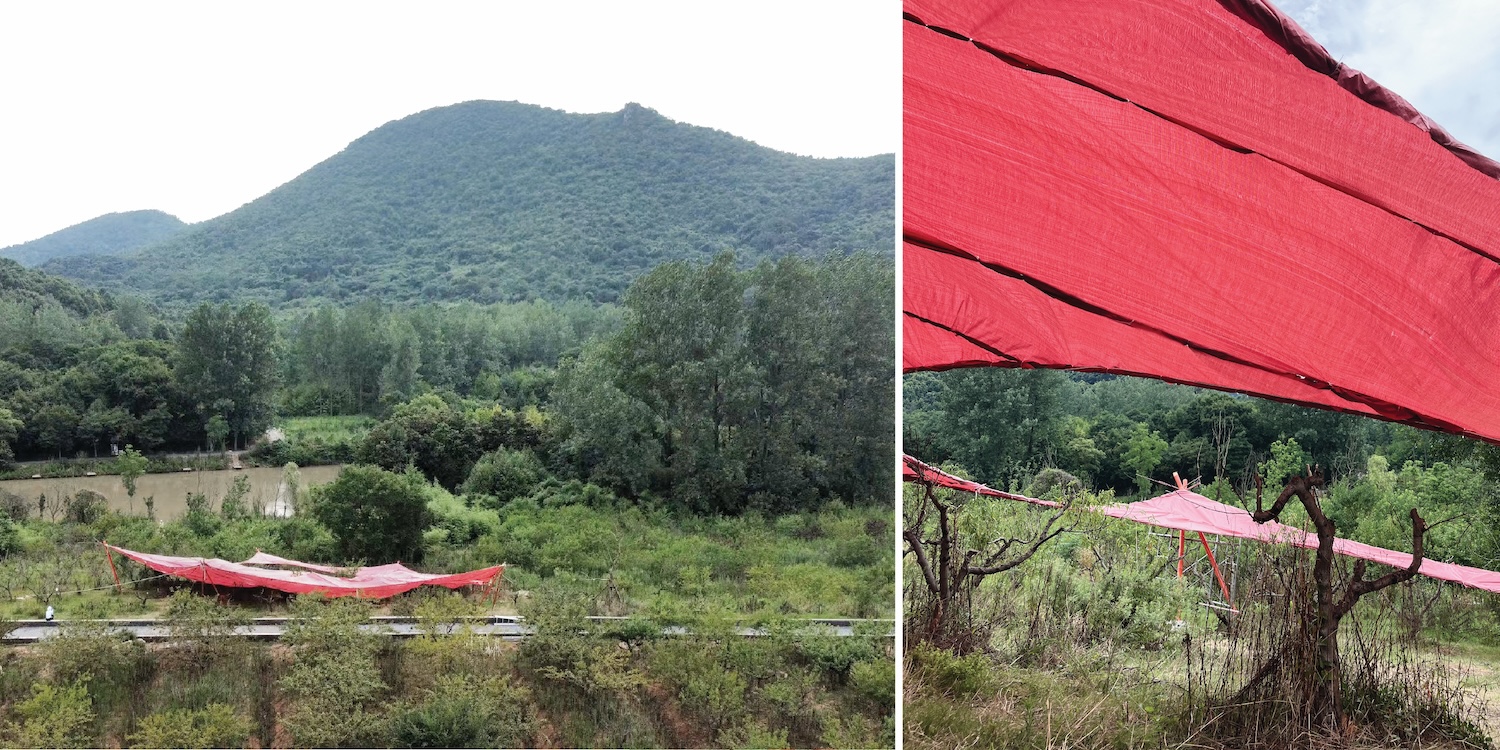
x: 1181, y: 550
x: 111, y: 558
x: 1215, y: 563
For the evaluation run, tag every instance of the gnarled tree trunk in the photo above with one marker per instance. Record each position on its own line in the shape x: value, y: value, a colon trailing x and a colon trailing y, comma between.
x: 1327, y: 706
x: 951, y: 569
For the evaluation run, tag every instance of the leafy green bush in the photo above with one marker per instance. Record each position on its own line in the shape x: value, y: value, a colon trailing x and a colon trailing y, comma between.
x: 459, y: 522
x: 215, y: 725
x: 949, y: 674
x: 465, y: 711
x: 375, y: 516
x: 875, y: 681
x: 833, y: 654
x: 86, y: 652
x: 10, y: 536
x: 84, y: 507
x: 715, y: 696
x: 564, y: 651
x: 505, y: 474
x: 333, y: 680
x: 754, y: 735
x: 54, y: 717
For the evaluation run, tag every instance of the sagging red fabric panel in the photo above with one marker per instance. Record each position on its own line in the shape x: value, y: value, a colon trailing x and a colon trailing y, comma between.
x: 377, y: 582
x: 1143, y: 222
x: 265, y: 558
x: 1189, y: 511
x: 1206, y: 67
x: 913, y: 470
x: 986, y: 305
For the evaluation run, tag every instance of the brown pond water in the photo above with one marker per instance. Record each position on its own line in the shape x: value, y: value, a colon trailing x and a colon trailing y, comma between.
x: 171, y: 490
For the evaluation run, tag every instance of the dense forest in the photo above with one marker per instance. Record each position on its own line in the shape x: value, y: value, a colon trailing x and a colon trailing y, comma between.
x: 110, y: 234
x: 506, y: 202
x: 721, y: 389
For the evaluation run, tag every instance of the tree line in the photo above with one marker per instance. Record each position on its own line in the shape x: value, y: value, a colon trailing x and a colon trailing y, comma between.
x: 1030, y: 429
x: 716, y: 388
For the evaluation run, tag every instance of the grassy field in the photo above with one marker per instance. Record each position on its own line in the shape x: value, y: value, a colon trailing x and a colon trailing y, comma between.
x: 326, y: 429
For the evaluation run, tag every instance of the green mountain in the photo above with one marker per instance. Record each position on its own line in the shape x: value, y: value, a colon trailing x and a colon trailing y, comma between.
x: 501, y: 201
x: 110, y: 234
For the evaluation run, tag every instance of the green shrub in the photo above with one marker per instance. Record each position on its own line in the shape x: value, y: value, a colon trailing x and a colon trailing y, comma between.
x: 833, y: 654
x: 464, y: 711
x: 875, y: 681
x: 84, y: 507
x: 88, y: 652
x: 563, y: 650
x: 334, y: 677
x: 215, y: 725
x: 715, y: 696
x: 753, y: 735
x: 10, y: 536
x: 946, y: 673
x: 505, y: 474
x: 54, y: 717
x: 375, y: 515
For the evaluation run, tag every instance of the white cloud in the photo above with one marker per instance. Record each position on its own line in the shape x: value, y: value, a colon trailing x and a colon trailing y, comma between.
x: 1441, y: 55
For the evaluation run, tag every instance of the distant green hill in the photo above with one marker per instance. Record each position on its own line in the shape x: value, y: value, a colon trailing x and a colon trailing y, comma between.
x: 110, y: 234
x: 500, y: 201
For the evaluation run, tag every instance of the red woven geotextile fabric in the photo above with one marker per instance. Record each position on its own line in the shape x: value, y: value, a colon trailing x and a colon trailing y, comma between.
x: 913, y: 470
x: 263, y: 558
x: 1161, y: 188
x: 1189, y: 511
x: 377, y: 582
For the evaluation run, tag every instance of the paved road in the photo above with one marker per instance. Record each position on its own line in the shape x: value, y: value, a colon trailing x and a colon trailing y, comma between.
x: 272, y: 628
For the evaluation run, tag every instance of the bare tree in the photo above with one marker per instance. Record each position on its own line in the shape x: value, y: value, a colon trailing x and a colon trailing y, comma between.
x: 953, y: 566
x: 1223, y: 433
x: 1326, y: 705
x: 45, y: 577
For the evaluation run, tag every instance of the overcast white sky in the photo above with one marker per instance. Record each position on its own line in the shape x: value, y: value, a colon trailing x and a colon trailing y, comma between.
x: 196, y: 108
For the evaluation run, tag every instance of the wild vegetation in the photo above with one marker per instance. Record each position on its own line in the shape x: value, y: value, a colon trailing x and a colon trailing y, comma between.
x: 1093, y: 641
x: 571, y: 550
x: 710, y: 454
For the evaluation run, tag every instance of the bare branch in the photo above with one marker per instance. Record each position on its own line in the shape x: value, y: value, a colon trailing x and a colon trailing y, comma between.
x: 914, y: 544
x: 1358, y: 587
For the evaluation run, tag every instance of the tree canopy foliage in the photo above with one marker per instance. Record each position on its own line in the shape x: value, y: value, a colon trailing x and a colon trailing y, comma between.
x: 81, y: 370
x: 376, y: 516
x: 1129, y: 435
x: 730, y: 389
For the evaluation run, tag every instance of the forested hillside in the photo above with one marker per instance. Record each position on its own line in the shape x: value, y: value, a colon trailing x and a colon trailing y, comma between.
x: 499, y: 201
x: 110, y: 234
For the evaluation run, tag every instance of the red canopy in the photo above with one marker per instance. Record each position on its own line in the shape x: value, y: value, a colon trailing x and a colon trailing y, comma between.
x: 913, y: 470
x: 1192, y: 190
x: 377, y: 582
x: 1189, y: 511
